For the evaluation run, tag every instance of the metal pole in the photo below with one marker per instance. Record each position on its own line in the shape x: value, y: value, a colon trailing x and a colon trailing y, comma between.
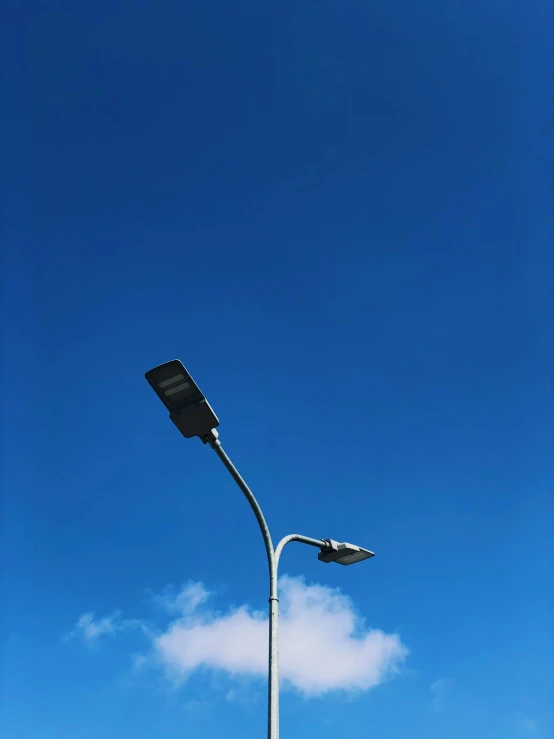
x: 273, y: 677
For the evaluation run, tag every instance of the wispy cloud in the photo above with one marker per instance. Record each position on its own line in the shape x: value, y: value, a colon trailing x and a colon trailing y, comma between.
x: 528, y: 725
x: 90, y: 629
x: 184, y: 601
x: 439, y: 690
x: 324, y: 646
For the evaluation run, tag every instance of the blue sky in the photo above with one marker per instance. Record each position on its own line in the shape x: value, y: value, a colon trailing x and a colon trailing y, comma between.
x: 339, y: 216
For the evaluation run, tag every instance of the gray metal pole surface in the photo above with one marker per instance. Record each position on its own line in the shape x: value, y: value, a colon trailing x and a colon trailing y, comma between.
x: 273, y: 556
x: 273, y: 678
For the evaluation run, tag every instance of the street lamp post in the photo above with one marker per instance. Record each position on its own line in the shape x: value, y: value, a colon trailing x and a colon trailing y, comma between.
x: 192, y: 414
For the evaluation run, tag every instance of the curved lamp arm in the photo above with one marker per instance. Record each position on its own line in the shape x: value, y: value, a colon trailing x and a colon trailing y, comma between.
x: 320, y: 543
x: 273, y: 554
x: 249, y: 495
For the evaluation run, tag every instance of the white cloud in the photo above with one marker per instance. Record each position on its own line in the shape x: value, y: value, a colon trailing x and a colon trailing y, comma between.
x: 324, y: 643
x: 439, y: 690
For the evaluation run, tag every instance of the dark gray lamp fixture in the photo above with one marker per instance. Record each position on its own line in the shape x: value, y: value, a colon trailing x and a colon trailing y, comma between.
x: 188, y: 408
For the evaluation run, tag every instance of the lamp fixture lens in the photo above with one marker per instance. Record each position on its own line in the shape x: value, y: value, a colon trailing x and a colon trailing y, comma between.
x: 177, y: 389
x: 172, y: 380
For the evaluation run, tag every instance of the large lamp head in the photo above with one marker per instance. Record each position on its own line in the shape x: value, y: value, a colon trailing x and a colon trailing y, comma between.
x: 343, y: 554
x: 188, y: 408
